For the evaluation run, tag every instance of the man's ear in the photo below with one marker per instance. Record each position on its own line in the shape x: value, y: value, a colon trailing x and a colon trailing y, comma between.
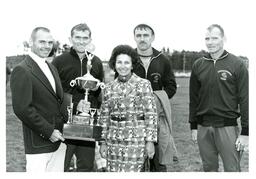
x: 30, y: 42
x: 90, y: 40
x: 153, y: 38
x: 224, y: 39
x: 70, y: 40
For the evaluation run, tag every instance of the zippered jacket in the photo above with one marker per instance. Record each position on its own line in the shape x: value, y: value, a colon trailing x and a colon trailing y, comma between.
x: 219, y: 92
x: 70, y: 67
x: 159, y: 73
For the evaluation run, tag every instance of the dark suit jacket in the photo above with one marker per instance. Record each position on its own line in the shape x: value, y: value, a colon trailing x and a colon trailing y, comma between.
x: 36, y: 104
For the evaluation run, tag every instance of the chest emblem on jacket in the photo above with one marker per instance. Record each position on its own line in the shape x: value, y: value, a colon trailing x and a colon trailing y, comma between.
x: 156, y: 77
x: 224, y: 74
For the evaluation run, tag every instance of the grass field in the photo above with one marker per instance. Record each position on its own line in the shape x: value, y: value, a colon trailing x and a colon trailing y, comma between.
x: 189, y: 160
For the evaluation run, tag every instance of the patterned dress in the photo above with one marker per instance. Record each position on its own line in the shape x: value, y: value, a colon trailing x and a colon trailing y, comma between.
x: 129, y: 120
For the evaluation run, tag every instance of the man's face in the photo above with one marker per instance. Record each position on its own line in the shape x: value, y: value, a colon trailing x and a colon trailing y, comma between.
x: 214, y: 40
x: 42, y: 44
x: 80, y: 39
x: 143, y: 38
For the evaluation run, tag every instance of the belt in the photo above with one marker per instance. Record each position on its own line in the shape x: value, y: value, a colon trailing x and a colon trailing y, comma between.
x: 117, y: 118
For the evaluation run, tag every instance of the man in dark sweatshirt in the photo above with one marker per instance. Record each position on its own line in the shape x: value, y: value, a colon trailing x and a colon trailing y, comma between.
x: 155, y: 67
x: 70, y: 65
x: 218, y: 97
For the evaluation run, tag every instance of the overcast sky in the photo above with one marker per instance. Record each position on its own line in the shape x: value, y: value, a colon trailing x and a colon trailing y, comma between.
x: 178, y: 24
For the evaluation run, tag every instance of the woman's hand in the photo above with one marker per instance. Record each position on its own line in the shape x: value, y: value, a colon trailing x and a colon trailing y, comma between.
x: 150, y: 149
x: 103, y: 150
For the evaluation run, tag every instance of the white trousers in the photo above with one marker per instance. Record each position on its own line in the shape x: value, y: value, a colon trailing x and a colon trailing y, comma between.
x: 47, y: 162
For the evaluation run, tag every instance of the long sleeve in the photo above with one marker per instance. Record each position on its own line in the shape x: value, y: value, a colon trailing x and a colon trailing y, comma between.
x: 194, y: 86
x: 22, y: 94
x: 242, y: 86
x: 150, y: 113
x: 105, y: 114
x: 169, y: 81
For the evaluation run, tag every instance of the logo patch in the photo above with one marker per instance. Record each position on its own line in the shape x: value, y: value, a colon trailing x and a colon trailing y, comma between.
x: 224, y: 74
x: 156, y: 77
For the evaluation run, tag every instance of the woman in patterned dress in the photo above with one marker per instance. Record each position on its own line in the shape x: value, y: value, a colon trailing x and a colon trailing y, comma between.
x: 128, y: 115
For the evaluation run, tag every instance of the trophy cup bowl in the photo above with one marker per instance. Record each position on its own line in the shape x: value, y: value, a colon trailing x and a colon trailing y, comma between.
x: 87, y: 82
x: 82, y: 126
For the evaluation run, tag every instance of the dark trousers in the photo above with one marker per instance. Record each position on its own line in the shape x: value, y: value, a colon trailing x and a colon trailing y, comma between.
x: 85, y: 155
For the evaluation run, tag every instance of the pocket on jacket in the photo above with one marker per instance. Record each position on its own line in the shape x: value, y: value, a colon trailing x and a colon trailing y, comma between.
x: 39, y: 142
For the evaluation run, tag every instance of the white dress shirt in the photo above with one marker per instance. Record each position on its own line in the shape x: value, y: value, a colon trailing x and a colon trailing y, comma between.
x: 41, y: 62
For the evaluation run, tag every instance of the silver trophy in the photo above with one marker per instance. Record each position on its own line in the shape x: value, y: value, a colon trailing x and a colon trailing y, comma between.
x: 87, y: 82
x: 81, y: 126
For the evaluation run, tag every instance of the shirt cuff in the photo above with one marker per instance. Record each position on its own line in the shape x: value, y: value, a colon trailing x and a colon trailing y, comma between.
x: 245, y: 131
x: 193, y: 125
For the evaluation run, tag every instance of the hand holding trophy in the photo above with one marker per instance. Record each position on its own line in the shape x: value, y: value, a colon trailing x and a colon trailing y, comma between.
x: 88, y: 82
x: 83, y: 107
x: 82, y: 127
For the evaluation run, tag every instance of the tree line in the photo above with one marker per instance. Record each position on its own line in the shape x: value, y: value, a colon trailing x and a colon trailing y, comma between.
x: 183, y: 60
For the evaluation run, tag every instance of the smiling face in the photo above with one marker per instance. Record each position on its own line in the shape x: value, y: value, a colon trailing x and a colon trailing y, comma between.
x: 214, y: 40
x: 42, y: 43
x: 123, y: 65
x: 79, y: 40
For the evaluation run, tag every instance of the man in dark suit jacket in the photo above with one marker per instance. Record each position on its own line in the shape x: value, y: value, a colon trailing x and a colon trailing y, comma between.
x: 37, y: 98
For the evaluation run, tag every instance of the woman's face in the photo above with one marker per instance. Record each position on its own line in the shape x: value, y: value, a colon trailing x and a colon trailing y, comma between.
x: 123, y: 65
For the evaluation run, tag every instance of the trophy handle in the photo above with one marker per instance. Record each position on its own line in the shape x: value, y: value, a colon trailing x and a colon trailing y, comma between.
x: 72, y: 83
x: 102, y: 85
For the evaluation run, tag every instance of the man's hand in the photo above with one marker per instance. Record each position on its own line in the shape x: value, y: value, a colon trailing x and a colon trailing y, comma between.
x: 83, y: 106
x: 56, y: 136
x: 194, y: 135
x: 150, y: 149
x: 242, y: 143
x: 103, y: 150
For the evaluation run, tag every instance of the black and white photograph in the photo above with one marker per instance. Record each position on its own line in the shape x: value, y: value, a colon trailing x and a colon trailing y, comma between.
x: 128, y: 86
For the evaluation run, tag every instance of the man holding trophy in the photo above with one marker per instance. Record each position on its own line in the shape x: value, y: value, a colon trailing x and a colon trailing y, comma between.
x: 73, y: 67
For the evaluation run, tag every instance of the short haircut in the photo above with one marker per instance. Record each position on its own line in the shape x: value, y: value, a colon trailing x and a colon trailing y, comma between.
x: 216, y: 26
x: 33, y: 34
x: 143, y: 26
x: 81, y: 27
x: 123, y: 49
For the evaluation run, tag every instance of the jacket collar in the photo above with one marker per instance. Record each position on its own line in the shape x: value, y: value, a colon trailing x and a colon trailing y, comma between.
x: 155, y: 54
x: 37, y: 72
x: 74, y: 53
x: 224, y: 55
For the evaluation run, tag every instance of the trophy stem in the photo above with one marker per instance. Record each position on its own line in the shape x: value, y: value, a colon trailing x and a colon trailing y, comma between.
x: 86, y: 99
x: 86, y: 94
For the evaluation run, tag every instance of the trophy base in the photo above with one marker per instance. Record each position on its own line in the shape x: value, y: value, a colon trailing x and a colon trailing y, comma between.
x: 82, y: 132
x: 84, y: 114
x: 79, y: 119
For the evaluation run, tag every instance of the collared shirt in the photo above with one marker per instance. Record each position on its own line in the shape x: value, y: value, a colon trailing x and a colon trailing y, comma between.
x: 41, y: 62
